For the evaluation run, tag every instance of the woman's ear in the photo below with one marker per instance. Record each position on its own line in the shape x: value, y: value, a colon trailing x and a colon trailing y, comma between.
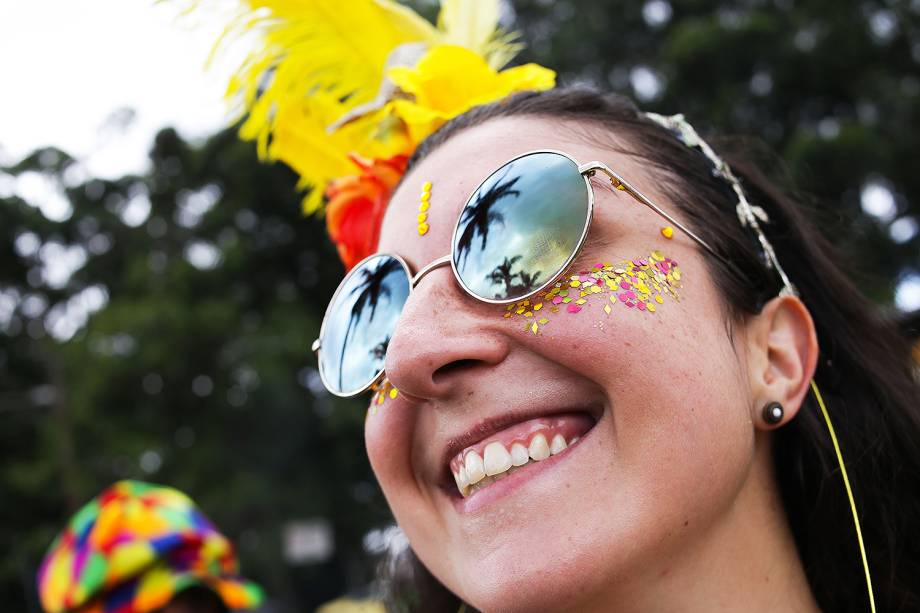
x: 782, y: 351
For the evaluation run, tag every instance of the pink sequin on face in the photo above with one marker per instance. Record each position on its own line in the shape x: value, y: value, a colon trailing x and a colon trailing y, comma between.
x: 640, y: 284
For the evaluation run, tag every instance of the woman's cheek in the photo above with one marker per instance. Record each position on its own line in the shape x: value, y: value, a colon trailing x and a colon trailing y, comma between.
x: 609, y: 320
x: 641, y: 286
x: 388, y: 429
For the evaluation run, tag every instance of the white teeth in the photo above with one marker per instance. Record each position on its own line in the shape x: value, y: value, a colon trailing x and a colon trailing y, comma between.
x: 519, y: 455
x: 558, y: 445
x: 497, y: 462
x: 496, y: 459
x: 538, y: 449
x: 475, y: 471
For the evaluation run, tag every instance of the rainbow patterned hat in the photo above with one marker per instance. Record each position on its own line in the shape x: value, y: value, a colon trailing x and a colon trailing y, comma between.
x: 132, y: 548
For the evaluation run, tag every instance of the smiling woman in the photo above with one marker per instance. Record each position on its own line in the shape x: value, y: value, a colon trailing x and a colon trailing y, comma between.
x: 635, y: 457
x: 595, y: 346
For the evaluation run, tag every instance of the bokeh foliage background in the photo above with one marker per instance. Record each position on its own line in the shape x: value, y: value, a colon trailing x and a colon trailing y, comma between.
x: 174, y: 346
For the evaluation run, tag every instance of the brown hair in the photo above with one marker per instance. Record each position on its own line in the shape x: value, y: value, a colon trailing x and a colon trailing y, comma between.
x: 863, y: 372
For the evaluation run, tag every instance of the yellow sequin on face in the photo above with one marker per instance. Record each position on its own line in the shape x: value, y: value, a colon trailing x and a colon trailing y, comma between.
x: 637, y: 284
x: 425, y: 203
x: 382, y: 391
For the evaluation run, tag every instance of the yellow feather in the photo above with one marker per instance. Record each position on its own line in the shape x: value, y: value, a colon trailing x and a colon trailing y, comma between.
x: 474, y: 25
x: 320, y: 64
x: 335, y: 45
x: 317, y: 59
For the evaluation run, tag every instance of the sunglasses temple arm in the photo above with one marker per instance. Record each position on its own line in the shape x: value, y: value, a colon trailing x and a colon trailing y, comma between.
x: 441, y: 261
x: 621, y: 184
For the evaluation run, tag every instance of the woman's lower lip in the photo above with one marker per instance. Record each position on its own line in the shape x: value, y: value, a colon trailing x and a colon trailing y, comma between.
x: 499, y: 489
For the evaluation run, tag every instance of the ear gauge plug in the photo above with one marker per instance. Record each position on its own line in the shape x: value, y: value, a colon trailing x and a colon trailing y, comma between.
x: 772, y: 413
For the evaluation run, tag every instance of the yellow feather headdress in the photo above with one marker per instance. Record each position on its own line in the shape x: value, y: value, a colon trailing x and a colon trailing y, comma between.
x: 344, y: 92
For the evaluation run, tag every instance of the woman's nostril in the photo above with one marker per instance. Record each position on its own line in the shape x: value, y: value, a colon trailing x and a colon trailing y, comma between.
x: 453, y: 367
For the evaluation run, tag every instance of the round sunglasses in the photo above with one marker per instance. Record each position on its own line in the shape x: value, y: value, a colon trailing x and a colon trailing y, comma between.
x: 517, y: 233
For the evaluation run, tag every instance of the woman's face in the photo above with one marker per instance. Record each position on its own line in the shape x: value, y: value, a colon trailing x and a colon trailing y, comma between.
x: 657, y: 399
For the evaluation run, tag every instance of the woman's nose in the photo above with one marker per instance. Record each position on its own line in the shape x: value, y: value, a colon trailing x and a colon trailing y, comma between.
x: 443, y: 337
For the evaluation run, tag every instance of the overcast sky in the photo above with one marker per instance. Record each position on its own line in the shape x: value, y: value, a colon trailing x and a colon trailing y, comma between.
x: 69, y: 69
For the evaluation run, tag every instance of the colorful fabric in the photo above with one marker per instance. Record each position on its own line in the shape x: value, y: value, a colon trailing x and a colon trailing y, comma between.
x: 132, y: 548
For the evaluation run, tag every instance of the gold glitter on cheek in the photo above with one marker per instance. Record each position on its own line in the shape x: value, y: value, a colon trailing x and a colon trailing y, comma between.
x: 382, y: 391
x: 638, y: 284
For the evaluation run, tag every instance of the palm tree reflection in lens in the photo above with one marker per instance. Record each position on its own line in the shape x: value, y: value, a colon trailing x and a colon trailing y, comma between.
x: 476, y: 218
x: 502, y: 275
x: 533, y: 209
x: 371, y: 288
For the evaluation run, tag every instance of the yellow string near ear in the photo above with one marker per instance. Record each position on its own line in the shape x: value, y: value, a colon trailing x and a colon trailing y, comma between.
x: 846, y: 483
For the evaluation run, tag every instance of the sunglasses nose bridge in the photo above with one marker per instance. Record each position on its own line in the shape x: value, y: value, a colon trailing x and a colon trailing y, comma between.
x: 431, y: 266
x: 440, y: 338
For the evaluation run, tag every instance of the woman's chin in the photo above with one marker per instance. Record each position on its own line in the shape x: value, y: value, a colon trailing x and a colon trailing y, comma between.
x: 528, y: 580
x: 537, y: 537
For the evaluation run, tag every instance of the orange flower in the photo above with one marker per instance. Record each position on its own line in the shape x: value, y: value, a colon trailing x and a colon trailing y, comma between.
x: 357, y: 204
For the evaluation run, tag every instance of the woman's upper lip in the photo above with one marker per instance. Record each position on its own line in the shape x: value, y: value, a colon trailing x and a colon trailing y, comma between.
x: 495, y: 423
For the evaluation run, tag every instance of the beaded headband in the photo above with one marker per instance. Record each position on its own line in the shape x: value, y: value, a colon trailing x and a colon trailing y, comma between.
x: 752, y: 216
x: 749, y: 215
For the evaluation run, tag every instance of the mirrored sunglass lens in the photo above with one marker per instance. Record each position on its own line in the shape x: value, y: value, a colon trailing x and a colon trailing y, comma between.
x: 359, y: 323
x: 520, y: 226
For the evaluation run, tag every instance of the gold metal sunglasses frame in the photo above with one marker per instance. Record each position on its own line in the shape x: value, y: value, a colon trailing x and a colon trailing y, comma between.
x: 587, y: 171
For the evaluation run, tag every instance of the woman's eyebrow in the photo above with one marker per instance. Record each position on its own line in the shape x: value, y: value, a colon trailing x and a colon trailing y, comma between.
x: 595, y: 250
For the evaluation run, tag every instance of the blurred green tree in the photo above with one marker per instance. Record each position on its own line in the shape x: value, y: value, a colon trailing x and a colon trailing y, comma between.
x: 831, y: 87
x: 177, y: 352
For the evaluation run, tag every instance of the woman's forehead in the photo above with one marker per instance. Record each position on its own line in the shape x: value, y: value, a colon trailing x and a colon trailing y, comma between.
x: 460, y: 164
x: 472, y: 154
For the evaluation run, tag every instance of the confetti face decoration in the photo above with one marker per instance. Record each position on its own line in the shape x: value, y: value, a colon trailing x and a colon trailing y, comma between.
x: 425, y: 202
x: 382, y: 391
x: 640, y: 284
x: 667, y: 231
